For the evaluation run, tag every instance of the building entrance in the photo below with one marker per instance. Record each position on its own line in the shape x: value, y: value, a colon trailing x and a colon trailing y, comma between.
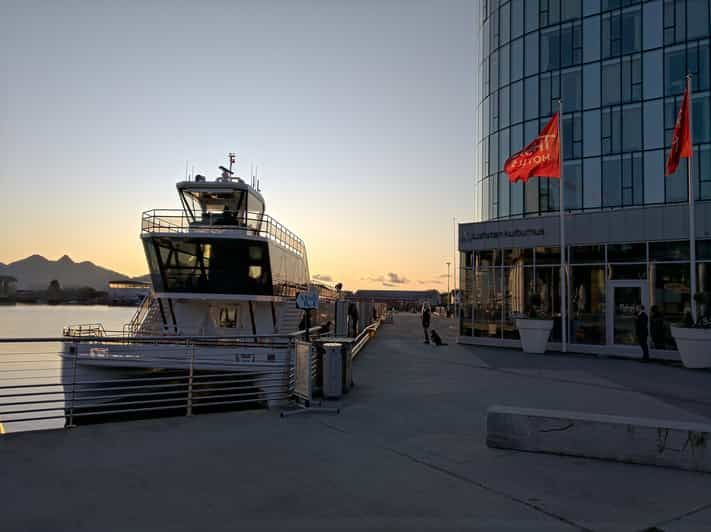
x: 623, y: 298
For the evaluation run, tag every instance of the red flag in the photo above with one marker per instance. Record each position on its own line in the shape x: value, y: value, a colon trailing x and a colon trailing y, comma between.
x: 540, y: 158
x: 681, y: 140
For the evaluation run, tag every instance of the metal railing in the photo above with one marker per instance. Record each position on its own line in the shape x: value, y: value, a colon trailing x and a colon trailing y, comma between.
x: 104, y: 375
x: 251, y: 223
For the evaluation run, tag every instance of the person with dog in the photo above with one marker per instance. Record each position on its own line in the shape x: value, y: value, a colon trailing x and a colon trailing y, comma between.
x: 426, y: 322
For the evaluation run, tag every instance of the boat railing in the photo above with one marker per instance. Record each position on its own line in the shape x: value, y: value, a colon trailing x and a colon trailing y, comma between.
x: 251, y: 223
x: 95, y: 374
x: 85, y: 330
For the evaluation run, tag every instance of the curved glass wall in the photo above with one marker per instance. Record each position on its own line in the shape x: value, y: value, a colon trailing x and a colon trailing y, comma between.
x: 620, y: 67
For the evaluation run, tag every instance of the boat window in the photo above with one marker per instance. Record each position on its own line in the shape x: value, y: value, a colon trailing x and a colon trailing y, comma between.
x: 227, y: 318
x: 211, y: 266
x: 255, y: 272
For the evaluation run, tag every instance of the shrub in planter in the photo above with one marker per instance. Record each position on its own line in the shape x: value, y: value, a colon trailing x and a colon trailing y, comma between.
x: 535, y: 329
x: 694, y: 339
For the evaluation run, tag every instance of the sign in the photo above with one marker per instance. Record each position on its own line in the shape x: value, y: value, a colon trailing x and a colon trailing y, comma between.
x: 307, y: 300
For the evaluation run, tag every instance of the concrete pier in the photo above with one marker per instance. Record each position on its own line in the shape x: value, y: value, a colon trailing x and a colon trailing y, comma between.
x: 407, y: 452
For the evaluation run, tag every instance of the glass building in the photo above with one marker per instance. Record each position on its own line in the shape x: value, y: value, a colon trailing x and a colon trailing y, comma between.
x: 620, y: 68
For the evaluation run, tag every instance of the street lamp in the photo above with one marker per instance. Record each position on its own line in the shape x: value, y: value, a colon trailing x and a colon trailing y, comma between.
x: 449, y: 295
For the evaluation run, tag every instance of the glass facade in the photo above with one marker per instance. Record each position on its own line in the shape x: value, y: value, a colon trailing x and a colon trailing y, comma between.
x: 500, y: 284
x: 619, y: 67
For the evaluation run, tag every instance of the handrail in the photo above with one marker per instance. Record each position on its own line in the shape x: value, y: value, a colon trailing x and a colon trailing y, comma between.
x: 253, y: 223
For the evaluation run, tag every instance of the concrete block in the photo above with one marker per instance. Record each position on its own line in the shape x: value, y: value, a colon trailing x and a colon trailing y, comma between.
x: 678, y: 444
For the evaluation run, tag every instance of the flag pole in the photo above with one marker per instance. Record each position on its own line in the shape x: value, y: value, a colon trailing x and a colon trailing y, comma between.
x: 563, y: 275
x: 692, y: 211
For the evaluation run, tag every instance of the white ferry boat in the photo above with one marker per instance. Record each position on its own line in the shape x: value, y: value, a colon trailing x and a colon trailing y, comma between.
x: 224, y: 276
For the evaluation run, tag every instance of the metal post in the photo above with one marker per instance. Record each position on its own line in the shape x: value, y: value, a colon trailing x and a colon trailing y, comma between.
x: 70, y: 422
x: 692, y: 211
x: 449, y: 295
x: 563, y: 273
x: 190, y: 381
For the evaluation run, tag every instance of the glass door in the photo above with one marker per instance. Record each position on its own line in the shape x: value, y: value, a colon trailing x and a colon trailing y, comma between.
x: 624, y: 297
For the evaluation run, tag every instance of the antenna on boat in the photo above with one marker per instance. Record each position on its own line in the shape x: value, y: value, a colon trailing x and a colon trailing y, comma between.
x: 186, y: 169
x: 232, y: 161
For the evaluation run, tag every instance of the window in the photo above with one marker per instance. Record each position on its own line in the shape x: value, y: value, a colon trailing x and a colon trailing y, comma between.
x: 531, y: 64
x: 504, y: 114
x: 622, y: 32
x: 702, y: 171
x: 516, y: 59
x: 227, y: 317
x: 550, y: 50
x: 572, y: 45
x: 611, y: 83
x: 591, y: 85
x: 632, y: 180
x: 611, y: 182
x: 674, y: 70
x: 669, y: 251
x: 697, y: 18
x: 654, y: 177
x: 591, y: 39
x: 587, y: 254
x: 517, y: 102
x: 591, y: 135
x: 573, y: 190
x: 632, y: 127
x: 572, y: 136
x: 531, y: 15
x: 570, y: 9
x: 549, y: 12
x: 611, y: 130
x: 516, y: 18
x: 550, y: 93
x: 504, y: 22
x: 531, y: 101
x: 636, y: 252
x: 592, y: 198
x: 701, y: 116
x: 631, y: 78
x: 504, y: 71
x: 255, y: 272
x: 572, y: 90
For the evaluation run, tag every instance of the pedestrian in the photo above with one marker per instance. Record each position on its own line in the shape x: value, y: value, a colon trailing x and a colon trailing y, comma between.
x: 352, y: 319
x: 642, y: 330
x: 426, y: 322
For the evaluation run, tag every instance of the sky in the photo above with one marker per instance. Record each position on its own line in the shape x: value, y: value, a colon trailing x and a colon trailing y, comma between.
x: 359, y: 115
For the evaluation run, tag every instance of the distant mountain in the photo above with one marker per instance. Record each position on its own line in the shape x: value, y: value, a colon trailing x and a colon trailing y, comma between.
x: 36, y: 272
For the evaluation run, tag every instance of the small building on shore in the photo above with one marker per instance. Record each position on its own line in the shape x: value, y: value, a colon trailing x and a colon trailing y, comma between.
x: 401, y: 299
x: 127, y: 292
x: 8, y: 289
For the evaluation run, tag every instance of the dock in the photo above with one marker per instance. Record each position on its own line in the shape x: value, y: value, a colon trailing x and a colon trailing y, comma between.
x: 407, y: 452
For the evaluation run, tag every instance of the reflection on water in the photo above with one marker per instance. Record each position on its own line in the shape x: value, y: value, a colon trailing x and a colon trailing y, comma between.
x: 32, y: 364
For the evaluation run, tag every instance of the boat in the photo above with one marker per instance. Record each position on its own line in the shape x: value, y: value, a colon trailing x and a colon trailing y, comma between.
x: 224, y: 281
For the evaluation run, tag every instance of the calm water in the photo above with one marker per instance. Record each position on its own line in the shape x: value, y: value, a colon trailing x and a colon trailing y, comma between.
x: 23, y: 364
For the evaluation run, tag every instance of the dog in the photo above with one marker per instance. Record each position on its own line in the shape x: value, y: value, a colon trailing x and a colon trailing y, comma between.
x: 436, y: 339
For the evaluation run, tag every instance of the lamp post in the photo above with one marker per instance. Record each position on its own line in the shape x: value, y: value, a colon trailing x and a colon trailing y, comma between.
x: 449, y: 295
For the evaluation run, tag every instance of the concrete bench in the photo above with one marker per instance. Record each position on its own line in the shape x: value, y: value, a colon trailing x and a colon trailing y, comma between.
x: 678, y: 444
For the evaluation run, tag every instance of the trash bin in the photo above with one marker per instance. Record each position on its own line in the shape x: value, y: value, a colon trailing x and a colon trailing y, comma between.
x: 332, y: 371
x: 347, y: 366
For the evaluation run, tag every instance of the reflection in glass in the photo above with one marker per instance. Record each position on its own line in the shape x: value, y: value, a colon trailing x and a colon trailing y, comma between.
x: 587, y: 304
x: 670, y: 301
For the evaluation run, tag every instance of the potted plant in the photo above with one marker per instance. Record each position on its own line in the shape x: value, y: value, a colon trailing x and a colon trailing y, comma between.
x: 693, y: 340
x: 534, y: 329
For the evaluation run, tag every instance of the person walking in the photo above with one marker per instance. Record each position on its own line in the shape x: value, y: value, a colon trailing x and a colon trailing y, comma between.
x: 642, y: 330
x: 352, y: 319
x: 426, y: 322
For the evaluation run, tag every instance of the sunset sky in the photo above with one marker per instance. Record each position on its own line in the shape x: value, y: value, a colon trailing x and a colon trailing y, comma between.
x: 358, y: 113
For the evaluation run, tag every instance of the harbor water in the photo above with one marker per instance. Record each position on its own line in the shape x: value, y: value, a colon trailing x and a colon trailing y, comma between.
x: 23, y: 364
